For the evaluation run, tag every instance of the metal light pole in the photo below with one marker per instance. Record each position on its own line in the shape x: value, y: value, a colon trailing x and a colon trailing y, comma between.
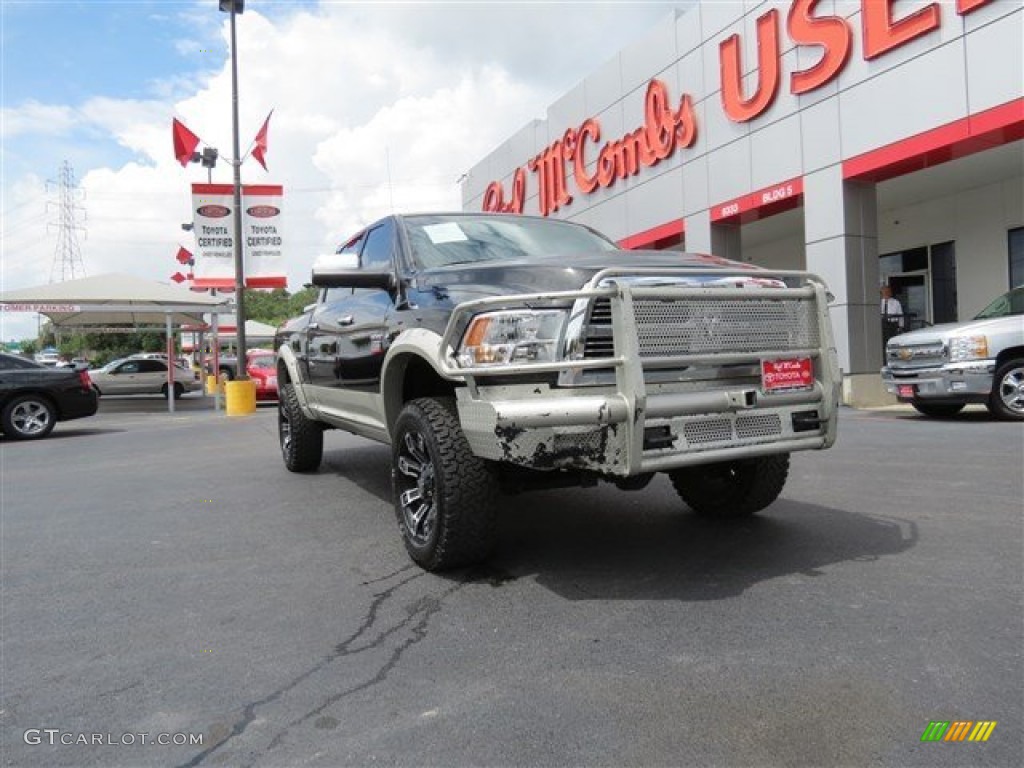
x: 235, y: 7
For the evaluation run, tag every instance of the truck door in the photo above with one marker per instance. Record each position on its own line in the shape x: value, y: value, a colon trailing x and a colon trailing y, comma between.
x: 329, y: 318
x: 351, y: 338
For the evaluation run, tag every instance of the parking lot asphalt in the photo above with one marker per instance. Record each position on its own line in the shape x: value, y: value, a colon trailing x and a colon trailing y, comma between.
x: 164, y: 575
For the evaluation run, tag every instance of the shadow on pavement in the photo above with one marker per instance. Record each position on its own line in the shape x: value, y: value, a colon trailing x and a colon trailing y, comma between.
x: 584, y: 550
x: 603, y: 543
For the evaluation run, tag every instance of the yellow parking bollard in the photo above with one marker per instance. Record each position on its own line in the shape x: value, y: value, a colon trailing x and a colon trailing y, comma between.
x: 241, y: 397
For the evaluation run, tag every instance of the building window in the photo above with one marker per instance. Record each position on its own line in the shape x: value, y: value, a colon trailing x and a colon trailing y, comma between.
x: 1016, y: 249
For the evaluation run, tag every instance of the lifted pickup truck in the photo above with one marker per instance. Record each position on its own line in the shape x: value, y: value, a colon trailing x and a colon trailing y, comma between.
x: 500, y: 353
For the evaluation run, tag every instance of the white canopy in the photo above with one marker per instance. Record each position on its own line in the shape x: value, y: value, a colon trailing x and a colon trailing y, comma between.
x: 113, y: 299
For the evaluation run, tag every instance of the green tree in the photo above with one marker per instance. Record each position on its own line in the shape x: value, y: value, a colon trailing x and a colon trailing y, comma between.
x: 276, y: 306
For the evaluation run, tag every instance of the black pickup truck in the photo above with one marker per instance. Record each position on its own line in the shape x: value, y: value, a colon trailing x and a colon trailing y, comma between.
x: 500, y: 353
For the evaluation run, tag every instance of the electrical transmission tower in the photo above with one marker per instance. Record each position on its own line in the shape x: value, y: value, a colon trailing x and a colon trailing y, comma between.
x: 67, y: 258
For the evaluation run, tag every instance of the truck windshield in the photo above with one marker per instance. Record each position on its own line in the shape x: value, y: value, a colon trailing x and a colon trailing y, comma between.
x: 440, y: 241
x: 1010, y: 303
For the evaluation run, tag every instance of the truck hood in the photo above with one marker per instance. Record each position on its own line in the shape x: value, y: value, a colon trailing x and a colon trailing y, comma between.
x: 566, y: 273
x: 939, y: 333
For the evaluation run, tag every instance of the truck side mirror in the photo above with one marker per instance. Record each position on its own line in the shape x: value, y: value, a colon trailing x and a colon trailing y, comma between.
x: 341, y: 270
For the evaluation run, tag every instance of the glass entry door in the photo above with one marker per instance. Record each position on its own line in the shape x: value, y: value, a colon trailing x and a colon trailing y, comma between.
x: 912, y: 289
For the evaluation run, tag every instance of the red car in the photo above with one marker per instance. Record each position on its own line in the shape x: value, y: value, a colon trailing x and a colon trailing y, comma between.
x: 262, y: 369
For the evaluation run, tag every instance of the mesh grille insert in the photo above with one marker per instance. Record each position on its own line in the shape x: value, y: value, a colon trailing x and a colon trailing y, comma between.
x: 707, y: 431
x: 695, y: 326
x: 758, y: 425
x: 666, y: 328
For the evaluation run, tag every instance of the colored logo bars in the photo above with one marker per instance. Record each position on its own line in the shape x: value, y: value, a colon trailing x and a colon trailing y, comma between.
x: 958, y: 730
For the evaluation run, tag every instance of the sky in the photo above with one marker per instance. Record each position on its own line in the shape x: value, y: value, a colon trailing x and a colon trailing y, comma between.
x: 379, y: 107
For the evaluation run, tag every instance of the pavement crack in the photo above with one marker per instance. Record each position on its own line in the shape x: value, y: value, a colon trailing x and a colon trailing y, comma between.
x: 416, y: 622
x: 423, y: 611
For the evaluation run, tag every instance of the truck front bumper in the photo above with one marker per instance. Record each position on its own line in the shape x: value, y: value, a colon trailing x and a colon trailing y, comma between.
x: 553, y: 429
x: 966, y: 382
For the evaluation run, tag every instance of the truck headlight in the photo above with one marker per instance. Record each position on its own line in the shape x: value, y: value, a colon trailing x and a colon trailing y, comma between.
x: 515, y: 336
x: 968, y: 348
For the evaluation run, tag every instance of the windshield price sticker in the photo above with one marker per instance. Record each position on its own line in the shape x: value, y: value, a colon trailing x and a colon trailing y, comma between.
x: 786, y: 375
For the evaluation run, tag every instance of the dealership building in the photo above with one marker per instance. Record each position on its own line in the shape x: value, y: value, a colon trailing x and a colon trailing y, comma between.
x: 869, y: 141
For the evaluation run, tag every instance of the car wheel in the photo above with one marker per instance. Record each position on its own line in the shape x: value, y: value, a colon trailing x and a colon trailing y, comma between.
x: 444, y: 495
x: 302, y: 440
x: 28, y: 417
x: 97, y: 391
x: 938, y: 410
x: 732, y: 489
x: 226, y: 374
x: 1007, y: 398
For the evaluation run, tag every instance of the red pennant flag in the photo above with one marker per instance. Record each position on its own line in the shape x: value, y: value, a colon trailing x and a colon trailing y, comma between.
x: 185, y: 142
x: 184, y: 256
x: 260, y: 150
x: 178, y: 278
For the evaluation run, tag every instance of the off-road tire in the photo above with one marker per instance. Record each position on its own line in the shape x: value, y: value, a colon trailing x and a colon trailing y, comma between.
x: 302, y: 440
x: 1007, y: 398
x: 938, y: 410
x: 28, y: 417
x: 732, y: 489
x: 444, y: 495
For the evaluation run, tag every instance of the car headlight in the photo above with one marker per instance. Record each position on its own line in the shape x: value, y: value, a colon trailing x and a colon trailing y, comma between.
x: 515, y: 336
x: 968, y: 348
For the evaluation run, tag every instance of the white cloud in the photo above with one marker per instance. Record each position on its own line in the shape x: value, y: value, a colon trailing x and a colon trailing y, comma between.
x: 419, y: 93
x: 34, y: 118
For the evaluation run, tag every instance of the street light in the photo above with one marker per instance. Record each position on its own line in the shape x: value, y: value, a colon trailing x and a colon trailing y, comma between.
x: 235, y: 7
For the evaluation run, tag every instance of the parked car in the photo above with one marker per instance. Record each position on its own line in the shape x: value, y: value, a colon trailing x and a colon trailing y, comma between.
x: 47, y: 356
x: 181, y: 362
x: 261, y: 366
x: 227, y: 366
x: 34, y: 397
x: 143, y: 376
x: 941, y: 369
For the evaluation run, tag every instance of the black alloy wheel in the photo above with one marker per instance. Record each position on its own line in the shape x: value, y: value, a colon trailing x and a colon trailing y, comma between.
x: 444, y: 494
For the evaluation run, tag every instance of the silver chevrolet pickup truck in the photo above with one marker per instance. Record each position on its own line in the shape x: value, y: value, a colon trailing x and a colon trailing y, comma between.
x: 941, y: 369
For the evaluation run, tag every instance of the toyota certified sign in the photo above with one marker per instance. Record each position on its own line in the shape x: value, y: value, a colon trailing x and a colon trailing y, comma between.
x: 262, y: 241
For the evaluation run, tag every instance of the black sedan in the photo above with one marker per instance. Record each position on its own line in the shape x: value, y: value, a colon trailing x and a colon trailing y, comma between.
x: 34, y: 397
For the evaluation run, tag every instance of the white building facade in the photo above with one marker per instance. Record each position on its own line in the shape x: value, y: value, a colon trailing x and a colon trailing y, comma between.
x: 868, y: 141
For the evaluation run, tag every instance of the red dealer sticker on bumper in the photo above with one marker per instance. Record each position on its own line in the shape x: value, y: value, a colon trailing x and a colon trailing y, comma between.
x: 777, y: 375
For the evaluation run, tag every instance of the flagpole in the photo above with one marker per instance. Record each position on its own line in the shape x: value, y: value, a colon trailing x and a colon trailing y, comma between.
x: 241, y: 367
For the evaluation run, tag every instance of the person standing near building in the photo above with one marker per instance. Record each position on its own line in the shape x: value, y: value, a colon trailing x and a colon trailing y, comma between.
x: 892, y: 314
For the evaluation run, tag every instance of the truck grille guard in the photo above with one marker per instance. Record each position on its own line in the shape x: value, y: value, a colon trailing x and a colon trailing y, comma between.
x: 675, y: 324
x: 715, y: 421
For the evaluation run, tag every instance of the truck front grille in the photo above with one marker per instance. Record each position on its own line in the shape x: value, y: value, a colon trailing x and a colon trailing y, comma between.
x: 667, y: 327
x: 916, y: 355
